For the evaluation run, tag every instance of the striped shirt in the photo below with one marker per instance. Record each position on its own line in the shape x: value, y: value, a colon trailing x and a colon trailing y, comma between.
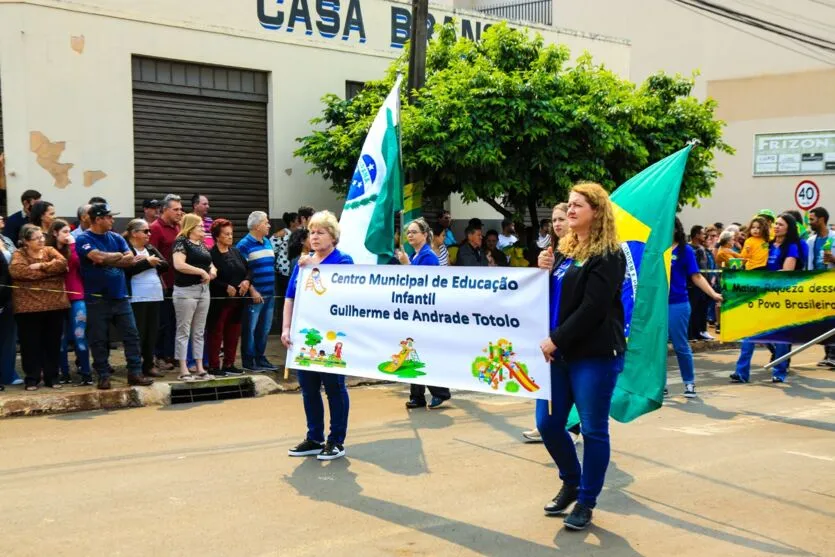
x: 260, y: 260
x: 443, y: 256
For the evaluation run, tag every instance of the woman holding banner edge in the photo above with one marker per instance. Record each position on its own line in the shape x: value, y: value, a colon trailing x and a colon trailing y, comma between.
x: 783, y: 255
x: 419, y: 236
x: 324, y: 235
x: 585, y: 348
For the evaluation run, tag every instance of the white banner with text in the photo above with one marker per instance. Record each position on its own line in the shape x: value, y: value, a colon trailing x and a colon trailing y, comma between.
x: 469, y: 328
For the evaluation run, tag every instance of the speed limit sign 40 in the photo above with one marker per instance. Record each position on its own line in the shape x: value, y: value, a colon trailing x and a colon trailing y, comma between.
x: 806, y: 195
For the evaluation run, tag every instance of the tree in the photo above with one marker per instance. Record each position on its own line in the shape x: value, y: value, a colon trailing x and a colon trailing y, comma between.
x: 508, y: 120
x: 312, y: 338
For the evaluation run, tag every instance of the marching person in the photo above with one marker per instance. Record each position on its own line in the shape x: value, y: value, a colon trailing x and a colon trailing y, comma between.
x: 144, y: 282
x: 784, y: 255
x: 419, y: 237
x: 75, y: 325
x: 40, y: 306
x: 193, y: 270
x: 821, y: 257
x: 683, y: 270
x: 104, y: 255
x: 585, y: 348
x: 227, y: 290
x: 559, y: 228
x: 324, y: 235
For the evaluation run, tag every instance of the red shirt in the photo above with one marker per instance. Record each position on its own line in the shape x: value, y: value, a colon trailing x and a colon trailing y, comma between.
x: 163, y: 236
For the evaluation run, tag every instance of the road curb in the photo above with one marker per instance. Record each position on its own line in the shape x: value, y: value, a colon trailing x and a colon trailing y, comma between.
x: 159, y: 394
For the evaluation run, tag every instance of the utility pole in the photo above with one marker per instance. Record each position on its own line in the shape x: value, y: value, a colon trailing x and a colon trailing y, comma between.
x: 413, y: 190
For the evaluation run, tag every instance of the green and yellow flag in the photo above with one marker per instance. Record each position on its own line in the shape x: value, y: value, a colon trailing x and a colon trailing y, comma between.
x: 645, y: 208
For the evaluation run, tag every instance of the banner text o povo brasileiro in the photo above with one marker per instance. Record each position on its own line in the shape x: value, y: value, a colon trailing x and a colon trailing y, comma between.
x: 468, y: 328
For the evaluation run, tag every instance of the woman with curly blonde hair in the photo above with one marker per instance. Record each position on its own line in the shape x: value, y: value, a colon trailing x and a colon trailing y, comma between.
x: 585, y: 348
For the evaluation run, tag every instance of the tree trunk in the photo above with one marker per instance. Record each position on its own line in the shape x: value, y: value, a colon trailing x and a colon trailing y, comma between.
x: 494, y: 204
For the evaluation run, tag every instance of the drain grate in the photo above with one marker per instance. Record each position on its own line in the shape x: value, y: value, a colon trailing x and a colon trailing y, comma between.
x: 217, y: 389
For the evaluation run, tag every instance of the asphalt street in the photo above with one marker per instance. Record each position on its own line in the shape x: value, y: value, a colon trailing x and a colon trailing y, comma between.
x: 741, y: 470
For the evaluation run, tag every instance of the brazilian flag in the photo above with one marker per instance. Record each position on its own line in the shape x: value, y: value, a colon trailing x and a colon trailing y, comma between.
x: 645, y: 208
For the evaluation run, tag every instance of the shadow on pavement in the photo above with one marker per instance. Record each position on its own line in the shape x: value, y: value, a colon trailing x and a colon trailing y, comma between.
x: 343, y: 490
x: 700, y: 407
x: 619, y: 501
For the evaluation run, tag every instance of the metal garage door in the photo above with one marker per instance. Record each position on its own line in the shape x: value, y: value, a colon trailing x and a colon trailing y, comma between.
x: 201, y: 129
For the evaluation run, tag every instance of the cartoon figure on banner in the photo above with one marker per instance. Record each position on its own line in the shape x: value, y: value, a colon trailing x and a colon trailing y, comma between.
x: 314, y: 282
x: 500, y: 367
x: 315, y: 355
x: 405, y: 363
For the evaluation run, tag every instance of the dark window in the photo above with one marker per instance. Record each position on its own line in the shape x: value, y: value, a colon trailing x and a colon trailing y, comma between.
x: 352, y: 89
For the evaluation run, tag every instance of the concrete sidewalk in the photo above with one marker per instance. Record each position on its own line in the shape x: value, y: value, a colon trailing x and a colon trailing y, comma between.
x: 15, y: 401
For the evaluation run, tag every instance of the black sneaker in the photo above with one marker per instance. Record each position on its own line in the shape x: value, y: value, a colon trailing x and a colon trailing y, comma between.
x: 579, y: 518
x: 332, y: 451
x: 216, y: 372
x: 250, y: 367
x: 306, y: 448
x: 690, y: 390
x: 666, y: 391
x: 777, y: 380
x: 265, y: 365
x: 233, y: 371
x: 85, y: 381
x: 64, y: 380
x: 436, y: 402
x: 412, y: 404
x: 735, y: 378
x: 563, y: 499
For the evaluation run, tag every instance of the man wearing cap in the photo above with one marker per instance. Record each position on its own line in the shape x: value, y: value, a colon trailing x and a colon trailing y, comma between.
x: 103, y: 255
x: 151, y: 209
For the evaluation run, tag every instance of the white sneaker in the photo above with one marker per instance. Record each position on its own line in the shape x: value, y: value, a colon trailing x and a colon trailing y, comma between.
x: 705, y: 335
x: 690, y: 390
x: 18, y: 381
x: 532, y: 436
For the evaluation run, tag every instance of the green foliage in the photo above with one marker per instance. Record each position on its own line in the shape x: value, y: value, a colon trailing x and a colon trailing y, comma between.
x: 313, y: 338
x: 511, y: 119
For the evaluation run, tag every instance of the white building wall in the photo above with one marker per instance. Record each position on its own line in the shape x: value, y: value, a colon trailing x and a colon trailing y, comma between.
x: 85, y: 98
x: 666, y: 36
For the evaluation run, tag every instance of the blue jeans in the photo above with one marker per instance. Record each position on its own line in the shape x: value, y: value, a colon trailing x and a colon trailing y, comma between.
x: 100, y: 314
x: 678, y: 321
x: 743, y: 364
x: 8, y: 347
x: 257, y: 321
x: 589, y: 385
x: 311, y: 383
x: 76, y: 326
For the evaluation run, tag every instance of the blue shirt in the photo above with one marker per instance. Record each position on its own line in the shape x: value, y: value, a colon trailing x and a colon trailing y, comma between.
x: 425, y: 257
x: 449, y: 238
x: 103, y: 281
x: 776, y: 260
x: 13, y: 225
x: 260, y: 259
x: 336, y: 257
x: 556, y: 290
x: 682, y: 267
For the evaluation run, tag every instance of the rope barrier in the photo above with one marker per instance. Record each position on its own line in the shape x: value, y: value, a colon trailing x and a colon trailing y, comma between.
x: 35, y: 289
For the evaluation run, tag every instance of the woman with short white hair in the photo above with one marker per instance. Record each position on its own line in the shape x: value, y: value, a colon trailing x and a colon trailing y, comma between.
x: 324, y: 235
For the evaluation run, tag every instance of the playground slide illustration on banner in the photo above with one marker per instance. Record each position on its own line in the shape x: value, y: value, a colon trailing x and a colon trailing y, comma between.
x: 405, y: 363
x: 500, y: 367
